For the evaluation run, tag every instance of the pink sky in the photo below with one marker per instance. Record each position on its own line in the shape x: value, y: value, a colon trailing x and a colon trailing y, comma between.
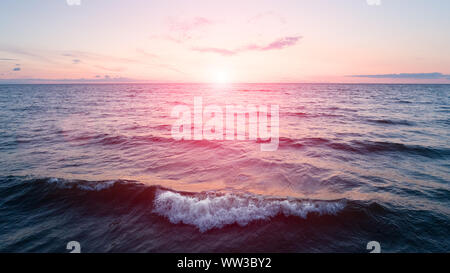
x: 228, y: 41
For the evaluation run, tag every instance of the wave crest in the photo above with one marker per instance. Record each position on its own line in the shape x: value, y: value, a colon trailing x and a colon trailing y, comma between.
x: 216, y: 211
x: 82, y: 185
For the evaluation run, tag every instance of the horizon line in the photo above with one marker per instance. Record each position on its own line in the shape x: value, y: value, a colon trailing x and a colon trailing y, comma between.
x: 211, y: 83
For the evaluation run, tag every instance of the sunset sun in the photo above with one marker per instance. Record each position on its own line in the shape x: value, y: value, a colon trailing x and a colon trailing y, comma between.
x: 221, y: 76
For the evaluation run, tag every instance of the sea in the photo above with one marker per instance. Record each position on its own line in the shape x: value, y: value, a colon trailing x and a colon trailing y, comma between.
x: 98, y: 164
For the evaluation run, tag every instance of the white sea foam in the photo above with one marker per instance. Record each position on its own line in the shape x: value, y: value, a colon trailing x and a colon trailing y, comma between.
x: 98, y: 186
x: 82, y: 185
x: 217, y: 211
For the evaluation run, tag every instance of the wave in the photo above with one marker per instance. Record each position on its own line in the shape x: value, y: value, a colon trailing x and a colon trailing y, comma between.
x: 140, y: 212
x: 286, y: 142
x: 124, y: 141
x: 366, y: 147
x: 257, y: 90
x: 203, y: 210
x: 216, y: 211
x: 310, y: 115
x: 81, y: 184
x: 391, y: 122
x: 355, y: 146
x: 363, y: 147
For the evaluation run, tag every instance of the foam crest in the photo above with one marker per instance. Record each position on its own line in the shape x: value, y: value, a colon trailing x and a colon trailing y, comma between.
x: 216, y: 211
x: 82, y: 185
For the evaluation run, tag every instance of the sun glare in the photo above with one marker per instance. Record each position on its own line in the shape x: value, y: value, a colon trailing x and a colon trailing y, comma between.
x: 221, y: 77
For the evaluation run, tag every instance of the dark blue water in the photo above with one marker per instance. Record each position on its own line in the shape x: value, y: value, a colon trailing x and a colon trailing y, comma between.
x: 98, y: 164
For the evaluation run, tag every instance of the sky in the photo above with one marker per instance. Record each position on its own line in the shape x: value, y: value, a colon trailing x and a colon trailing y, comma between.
x: 392, y: 41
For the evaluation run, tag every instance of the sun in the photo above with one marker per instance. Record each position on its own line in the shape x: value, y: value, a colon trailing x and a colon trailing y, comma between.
x: 221, y: 77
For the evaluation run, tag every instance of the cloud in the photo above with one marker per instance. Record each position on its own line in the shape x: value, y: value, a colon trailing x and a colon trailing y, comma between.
x: 221, y: 51
x: 101, y: 63
x: 275, y: 45
x: 96, y: 79
x: 281, y: 43
x: 19, y: 51
x: 171, y: 68
x: 421, y: 76
x: 16, y: 69
x: 188, y: 25
x: 146, y: 54
x: 154, y: 60
x: 111, y: 69
x: 181, y: 30
x: 76, y: 57
x: 96, y: 57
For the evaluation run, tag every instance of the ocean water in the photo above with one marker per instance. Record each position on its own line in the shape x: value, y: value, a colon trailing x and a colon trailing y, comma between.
x: 97, y: 164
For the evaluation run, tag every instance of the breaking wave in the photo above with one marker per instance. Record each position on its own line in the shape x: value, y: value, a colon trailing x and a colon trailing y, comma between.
x: 204, y: 210
x: 217, y: 211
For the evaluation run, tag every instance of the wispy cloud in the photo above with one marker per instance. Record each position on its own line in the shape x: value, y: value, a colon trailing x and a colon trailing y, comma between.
x: 221, y: 51
x: 184, y: 26
x: 15, y: 50
x: 97, y: 79
x: 146, y: 54
x: 54, y: 57
x: 111, y: 69
x: 180, y: 30
x: 155, y: 61
x: 171, y: 68
x: 275, y: 45
x: 76, y: 54
x: 104, y: 63
x: 422, y: 76
x: 280, y: 43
